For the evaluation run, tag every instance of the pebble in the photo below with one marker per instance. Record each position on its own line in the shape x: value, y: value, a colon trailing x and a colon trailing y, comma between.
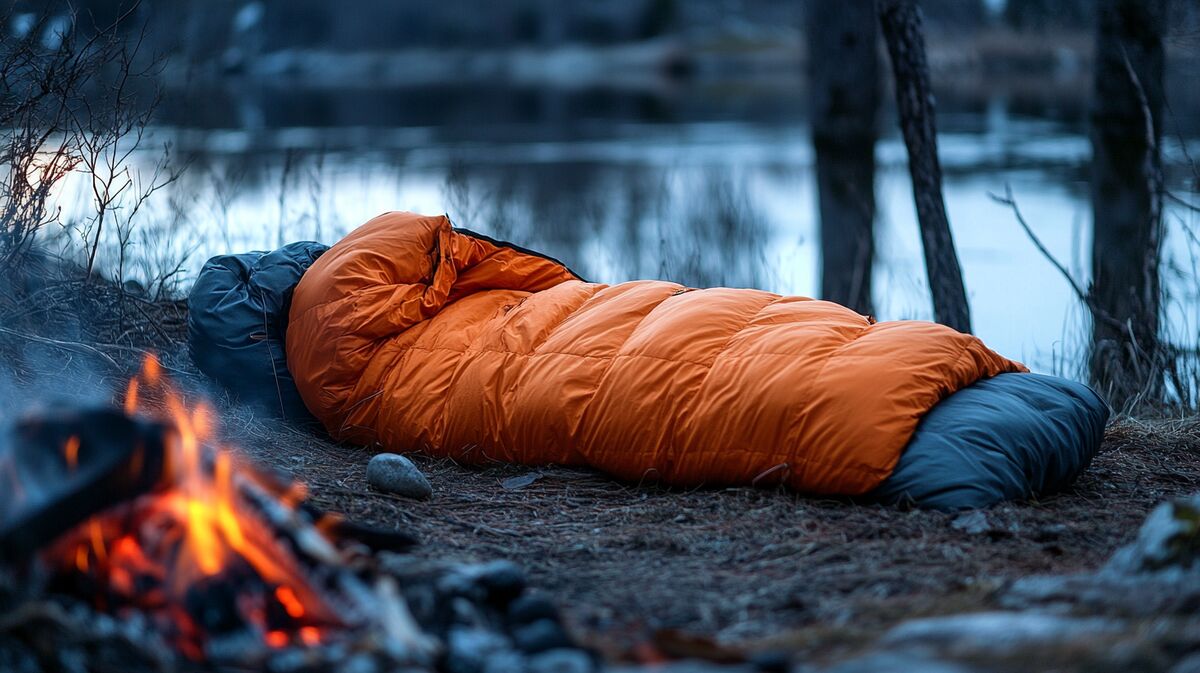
x: 1189, y: 664
x: 771, y: 661
x: 529, y: 608
x: 394, y: 473
x: 892, y: 661
x: 561, y: 661
x: 996, y: 633
x: 506, y: 662
x: 974, y: 522
x: 469, y: 649
x: 1167, y: 541
x: 540, y: 636
x: 502, y: 580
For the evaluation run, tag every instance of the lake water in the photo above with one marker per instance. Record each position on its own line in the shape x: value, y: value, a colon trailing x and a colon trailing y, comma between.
x: 705, y: 188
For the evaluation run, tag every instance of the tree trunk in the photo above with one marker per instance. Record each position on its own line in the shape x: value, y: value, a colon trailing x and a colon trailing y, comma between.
x: 844, y: 94
x: 1126, y: 357
x: 901, y: 22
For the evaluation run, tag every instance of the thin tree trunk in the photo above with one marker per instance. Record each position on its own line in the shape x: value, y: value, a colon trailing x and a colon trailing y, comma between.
x: 844, y: 94
x: 901, y: 22
x: 1126, y: 358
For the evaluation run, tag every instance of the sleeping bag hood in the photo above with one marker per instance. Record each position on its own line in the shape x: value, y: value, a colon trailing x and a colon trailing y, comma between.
x: 237, y: 321
x: 418, y: 336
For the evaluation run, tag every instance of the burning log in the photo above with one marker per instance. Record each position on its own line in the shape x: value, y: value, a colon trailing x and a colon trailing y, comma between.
x: 67, y: 466
x: 186, y: 554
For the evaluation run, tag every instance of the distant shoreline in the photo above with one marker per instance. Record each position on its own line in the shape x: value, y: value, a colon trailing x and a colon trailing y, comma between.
x: 1061, y: 55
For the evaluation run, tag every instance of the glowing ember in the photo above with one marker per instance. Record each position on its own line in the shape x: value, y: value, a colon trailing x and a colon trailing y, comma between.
x: 196, y: 554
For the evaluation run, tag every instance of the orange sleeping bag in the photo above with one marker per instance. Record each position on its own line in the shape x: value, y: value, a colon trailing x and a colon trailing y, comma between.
x: 422, y: 337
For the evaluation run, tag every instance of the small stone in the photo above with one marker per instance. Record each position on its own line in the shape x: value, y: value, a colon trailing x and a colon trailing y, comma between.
x: 1169, y: 539
x: 502, y: 580
x: 506, y: 662
x: 1050, y: 532
x: 529, y: 608
x: 992, y: 633
x: 469, y: 649
x: 540, y: 636
x: 974, y: 522
x: 561, y: 661
x: 394, y: 473
x: 1189, y: 664
x: 359, y: 663
x: 897, y: 661
x: 771, y: 661
x: 460, y: 583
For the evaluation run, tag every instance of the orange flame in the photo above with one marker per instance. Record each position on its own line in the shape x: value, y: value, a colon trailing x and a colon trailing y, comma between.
x: 199, y: 527
x: 288, y: 599
x: 71, y: 452
x: 131, y: 397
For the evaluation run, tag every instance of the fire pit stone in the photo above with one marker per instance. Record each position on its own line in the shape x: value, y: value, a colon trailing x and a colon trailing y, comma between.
x: 561, y: 660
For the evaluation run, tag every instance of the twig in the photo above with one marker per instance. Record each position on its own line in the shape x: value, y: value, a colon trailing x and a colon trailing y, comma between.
x: 1008, y: 200
x: 73, y: 346
x: 1097, y: 313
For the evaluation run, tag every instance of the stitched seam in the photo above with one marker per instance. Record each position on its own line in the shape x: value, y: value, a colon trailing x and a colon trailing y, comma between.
x: 807, y: 397
x: 550, y: 332
x: 603, y: 357
x: 585, y: 415
x: 741, y: 329
x: 463, y: 360
x: 708, y: 375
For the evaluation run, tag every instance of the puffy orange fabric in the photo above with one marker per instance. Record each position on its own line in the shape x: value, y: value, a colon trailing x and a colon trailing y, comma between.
x: 421, y: 337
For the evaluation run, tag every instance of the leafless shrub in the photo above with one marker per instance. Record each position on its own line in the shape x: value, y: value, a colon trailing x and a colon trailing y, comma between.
x: 73, y: 98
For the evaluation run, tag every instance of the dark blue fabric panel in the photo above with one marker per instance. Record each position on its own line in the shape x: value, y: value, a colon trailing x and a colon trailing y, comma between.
x: 1009, y: 437
x: 237, y: 321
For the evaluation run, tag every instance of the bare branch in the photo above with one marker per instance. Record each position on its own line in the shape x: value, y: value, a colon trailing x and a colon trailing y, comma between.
x: 1008, y: 200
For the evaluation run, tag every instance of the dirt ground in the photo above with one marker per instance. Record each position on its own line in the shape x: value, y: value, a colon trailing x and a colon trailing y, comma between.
x: 635, y: 564
x: 759, y: 569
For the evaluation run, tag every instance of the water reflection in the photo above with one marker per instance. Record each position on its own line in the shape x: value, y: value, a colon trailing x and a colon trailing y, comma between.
x: 618, y: 194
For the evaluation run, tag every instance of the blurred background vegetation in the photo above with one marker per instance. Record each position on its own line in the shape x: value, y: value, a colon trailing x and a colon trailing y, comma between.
x: 630, y: 138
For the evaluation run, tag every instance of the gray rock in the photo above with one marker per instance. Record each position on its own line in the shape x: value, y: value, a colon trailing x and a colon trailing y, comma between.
x: 360, y: 663
x: 1116, y: 595
x: 561, y: 661
x: 506, y: 662
x: 502, y: 581
x: 540, y: 636
x: 394, y: 473
x: 974, y: 522
x: 1169, y: 540
x: 896, y: 661
x: 469, y: 649
x: 1157, y: 574
x: 1189, y: 664
x: 530, y: 607
x: 771, y: 661
x: 995, y: 633
x: 689, y: 666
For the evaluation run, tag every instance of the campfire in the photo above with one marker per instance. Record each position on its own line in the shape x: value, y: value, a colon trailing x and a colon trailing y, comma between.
x: 145, y: 516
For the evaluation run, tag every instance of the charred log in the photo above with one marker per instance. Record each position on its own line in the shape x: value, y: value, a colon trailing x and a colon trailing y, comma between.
x: 68, y: 466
